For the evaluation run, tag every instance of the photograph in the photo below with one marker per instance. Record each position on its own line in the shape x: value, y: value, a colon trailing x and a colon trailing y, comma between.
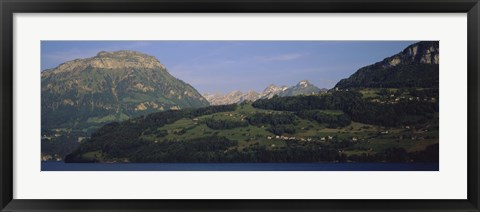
x: 239, y: 105
x: 264, y: 105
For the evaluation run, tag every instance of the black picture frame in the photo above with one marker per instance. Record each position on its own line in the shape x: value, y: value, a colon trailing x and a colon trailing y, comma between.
x: 9, y: 7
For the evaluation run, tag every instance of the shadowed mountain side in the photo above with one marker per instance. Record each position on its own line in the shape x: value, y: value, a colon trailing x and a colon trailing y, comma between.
x: 416, y: 66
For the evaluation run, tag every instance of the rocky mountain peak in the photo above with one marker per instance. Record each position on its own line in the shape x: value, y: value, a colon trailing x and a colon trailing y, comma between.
x: 124, y: 59
x: 235, y: 93
x: 304, y: 87
x: 424, y: 52
x: 123, y: 54
x: 303, y: 83
x: 274, y: 88
x: 271, y: 86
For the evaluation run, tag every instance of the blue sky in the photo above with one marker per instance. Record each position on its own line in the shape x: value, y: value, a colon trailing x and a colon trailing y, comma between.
x: 224, y: 66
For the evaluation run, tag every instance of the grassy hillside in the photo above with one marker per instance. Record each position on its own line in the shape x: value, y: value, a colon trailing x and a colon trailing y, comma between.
x: 244, y: 133
x: 367, y: 136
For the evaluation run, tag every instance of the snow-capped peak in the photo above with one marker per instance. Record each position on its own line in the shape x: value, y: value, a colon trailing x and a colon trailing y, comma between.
x: 304, y: 83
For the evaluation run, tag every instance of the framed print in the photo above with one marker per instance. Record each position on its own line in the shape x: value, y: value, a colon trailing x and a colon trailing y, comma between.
x: 233, y: 105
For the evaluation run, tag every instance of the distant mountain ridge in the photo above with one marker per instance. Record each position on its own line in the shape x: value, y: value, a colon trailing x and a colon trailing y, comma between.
x: 416, y: 66
x: 111, y: 86
x: 273, y: 90
x: 303, y: 87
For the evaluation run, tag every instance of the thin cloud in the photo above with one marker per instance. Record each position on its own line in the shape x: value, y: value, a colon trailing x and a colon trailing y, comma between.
x: 282, y: 57
x: 187, y: 69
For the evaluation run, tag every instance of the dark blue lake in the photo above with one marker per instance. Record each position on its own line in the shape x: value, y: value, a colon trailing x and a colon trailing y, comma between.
x: 60, y: 166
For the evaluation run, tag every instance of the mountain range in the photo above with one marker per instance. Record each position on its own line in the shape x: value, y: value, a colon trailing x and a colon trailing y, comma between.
x: 110, y: 87
x: 114, y: 86
x: 303, y: 87
x: 366, y: 118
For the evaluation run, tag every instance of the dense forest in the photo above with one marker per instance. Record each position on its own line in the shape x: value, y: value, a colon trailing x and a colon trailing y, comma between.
x: 406, y: 76
x: 357, y: 108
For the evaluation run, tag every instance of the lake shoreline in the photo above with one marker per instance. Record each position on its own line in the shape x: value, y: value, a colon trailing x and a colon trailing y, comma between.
x: 61, y: 166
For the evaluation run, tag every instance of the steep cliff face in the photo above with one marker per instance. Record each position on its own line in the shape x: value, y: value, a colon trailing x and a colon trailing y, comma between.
x: 416, y: 66
x: 426, y: 52
x: 109, y: 87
